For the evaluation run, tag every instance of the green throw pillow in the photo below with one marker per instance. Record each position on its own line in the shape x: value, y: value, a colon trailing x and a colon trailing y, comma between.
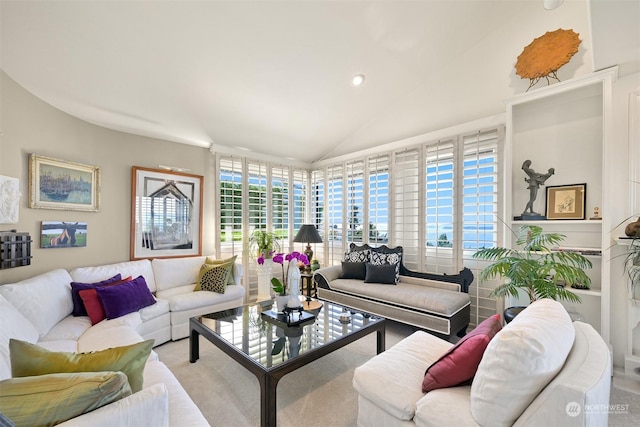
x: 46, y: 400
x: 214, y: 277
x: 29, y: 359
x: 232, y: 278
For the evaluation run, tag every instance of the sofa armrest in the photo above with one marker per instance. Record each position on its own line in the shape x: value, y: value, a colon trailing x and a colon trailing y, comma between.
x: 324, y: 276
x: 149, y: 407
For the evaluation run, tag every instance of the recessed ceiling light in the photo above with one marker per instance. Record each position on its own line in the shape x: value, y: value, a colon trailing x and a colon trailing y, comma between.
x: 243, y: 148
x: 357, y: 80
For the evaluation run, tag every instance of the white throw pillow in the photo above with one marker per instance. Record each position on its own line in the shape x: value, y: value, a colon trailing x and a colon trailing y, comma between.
x: 520, y: 361
x: 44, y: 299
x: 12, y: 325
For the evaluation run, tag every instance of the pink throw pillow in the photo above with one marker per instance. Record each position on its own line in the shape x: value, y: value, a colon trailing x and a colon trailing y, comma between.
x: 460, y: 363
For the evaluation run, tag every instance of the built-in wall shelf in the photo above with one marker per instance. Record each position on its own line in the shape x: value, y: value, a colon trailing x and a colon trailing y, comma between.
x: 559, y: 223
x: 567, y: 126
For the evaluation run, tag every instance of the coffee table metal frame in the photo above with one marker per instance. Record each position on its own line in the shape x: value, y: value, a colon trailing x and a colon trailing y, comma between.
x: 269, y: 377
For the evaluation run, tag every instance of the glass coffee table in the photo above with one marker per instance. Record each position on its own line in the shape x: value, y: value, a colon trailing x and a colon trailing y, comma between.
x: 264, y: 344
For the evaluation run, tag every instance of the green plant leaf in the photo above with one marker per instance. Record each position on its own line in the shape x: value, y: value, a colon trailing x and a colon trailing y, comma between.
x: 534, y: 268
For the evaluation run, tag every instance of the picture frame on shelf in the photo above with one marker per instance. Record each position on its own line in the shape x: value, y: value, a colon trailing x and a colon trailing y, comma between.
x: 166, y: 213
x: 63, y: 185
x: 566, y: 201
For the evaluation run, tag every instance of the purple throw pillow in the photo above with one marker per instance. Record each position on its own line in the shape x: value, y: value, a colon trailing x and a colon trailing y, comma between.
x: 125, y: 298
x: 76, y: 287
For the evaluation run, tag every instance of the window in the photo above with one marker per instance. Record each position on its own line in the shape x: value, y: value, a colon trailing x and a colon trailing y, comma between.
x: 230, y: 213
x: 355, y: 202
x: 480, y: 212
x: 406, y: 225
x: 256, y: 195
x: 280, y: 202
x: 334, y: 215
x: 378, y: 206
x: 299, y: 199
x: 440, y: 207
x: 438, y: 200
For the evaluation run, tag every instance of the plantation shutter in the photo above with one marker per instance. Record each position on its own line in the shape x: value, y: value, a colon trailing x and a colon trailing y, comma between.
x: 230, y: 208
x: 378, y: 203
x: 406, y: 189
x: 299, y: 199
x: 355, y: 202
x: 440, y: 207
x: 280, y: 202
x: 318, y: 212
x: 334, y: 216
x: 480, y: 212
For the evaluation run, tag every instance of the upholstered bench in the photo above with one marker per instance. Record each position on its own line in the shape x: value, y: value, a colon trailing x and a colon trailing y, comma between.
x: 437, y: 303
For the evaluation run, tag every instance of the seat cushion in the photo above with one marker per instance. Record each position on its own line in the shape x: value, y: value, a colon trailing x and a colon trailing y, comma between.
x: 392, y: 380
x: 191, y: 300
x: 69, y: 328
x: 418, y: 297
x: 158, y: 309
x: 520, y: 361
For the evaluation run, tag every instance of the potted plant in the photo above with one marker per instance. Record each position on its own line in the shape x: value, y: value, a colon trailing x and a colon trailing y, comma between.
x: 533, y: 267
x: 263, y: 243
x: 284, y: 287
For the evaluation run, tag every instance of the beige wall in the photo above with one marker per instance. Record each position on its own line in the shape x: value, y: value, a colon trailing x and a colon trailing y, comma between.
x: 29, y: 125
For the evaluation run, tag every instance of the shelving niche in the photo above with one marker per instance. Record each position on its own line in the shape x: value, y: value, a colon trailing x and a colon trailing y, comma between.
x: 566, y: 126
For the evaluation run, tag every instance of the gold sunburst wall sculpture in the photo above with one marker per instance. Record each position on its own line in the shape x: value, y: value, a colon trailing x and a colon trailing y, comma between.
x: 546, y: 54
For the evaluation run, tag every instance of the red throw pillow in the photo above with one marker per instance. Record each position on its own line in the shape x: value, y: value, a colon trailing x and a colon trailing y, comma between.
x: 92, y: 303
x: 460, y: 363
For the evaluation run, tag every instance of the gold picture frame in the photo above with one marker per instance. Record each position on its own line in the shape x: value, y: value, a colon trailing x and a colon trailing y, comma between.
x: 566, y: 201
x: 63, y: 185
x: 166, y: 213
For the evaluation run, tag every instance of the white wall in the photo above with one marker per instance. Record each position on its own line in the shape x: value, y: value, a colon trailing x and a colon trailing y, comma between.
x: 620, y: 177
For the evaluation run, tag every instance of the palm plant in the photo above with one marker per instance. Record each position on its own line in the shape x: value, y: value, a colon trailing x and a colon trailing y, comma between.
x: 534, y: 268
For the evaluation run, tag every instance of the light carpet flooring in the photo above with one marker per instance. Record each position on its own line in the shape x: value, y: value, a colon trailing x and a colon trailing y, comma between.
x: 317, y: 395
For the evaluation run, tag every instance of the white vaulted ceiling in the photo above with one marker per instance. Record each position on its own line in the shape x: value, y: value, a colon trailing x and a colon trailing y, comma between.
x: 274, y: 76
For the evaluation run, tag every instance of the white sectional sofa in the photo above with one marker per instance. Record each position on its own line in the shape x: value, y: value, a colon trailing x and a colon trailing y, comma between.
x: 539, y: 370
x: 39, y: 311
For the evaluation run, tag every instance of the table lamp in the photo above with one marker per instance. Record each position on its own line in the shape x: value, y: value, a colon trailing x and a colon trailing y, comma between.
x: 309, y: 234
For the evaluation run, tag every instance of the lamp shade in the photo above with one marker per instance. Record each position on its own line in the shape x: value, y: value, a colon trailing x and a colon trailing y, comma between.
x: 308, y: 234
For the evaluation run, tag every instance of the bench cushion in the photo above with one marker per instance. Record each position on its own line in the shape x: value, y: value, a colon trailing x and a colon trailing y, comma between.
x: 417, y: 297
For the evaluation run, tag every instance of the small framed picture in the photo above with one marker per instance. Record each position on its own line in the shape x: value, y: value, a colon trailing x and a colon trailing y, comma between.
x: 566, y: 201
x: 63, y: 234
x: 59, y: 184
